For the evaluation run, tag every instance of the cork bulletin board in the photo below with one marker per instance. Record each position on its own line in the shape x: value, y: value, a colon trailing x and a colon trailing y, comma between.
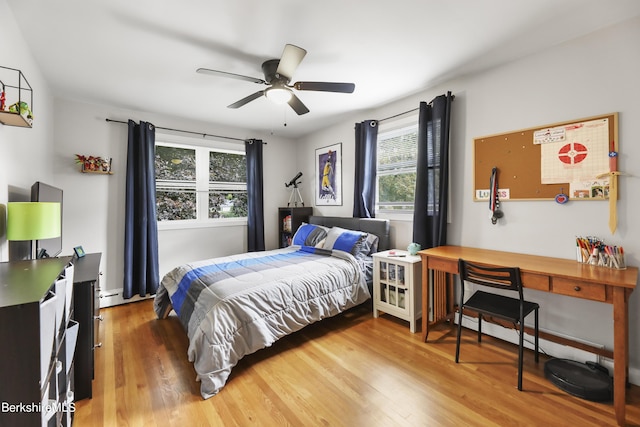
x: 532, y: 163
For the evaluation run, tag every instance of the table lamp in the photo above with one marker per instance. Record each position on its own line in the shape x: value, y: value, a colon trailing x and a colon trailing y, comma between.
x: 33, y: 220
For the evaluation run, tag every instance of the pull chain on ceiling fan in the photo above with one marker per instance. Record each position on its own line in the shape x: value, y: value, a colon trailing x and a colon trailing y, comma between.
x: 277, y: 75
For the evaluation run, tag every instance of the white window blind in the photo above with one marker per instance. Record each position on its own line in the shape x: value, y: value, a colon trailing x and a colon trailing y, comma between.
x: 396, y: 169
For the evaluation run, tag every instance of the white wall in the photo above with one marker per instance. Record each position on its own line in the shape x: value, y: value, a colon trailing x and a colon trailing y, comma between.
x: 25, y: 154
x: 94, y: 204
x: 594, y: 75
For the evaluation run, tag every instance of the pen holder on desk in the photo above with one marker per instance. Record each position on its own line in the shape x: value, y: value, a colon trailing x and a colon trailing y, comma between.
x: 593, y: 251
x: 617, y: 261
x: 602, y: 259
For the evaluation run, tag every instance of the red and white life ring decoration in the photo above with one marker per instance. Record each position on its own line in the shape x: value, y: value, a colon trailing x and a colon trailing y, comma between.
x: 572, y: 153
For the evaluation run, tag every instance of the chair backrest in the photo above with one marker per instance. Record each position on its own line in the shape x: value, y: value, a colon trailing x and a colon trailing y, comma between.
x: 507, y: 278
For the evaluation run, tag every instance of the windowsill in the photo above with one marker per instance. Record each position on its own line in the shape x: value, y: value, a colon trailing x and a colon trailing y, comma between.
x: 191, y: 224
x: 396, y: 216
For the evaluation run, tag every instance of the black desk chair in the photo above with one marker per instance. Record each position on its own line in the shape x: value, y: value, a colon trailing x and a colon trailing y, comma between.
x: 494, y: 305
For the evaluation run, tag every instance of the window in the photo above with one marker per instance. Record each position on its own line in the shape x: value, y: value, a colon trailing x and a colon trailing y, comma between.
x: 175, y: 183
x: 199, y: 184
x: 396, y: 171
x: 227, y: 185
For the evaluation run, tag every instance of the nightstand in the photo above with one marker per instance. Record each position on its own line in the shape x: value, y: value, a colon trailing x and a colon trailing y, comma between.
x: 397, y: 285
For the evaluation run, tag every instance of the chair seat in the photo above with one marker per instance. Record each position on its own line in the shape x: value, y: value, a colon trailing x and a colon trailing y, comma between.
x: 499, y: 305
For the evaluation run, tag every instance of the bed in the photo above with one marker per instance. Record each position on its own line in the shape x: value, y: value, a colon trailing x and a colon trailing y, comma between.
x: 236, y: 305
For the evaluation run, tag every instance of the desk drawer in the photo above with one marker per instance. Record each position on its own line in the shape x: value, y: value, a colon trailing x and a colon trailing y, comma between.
x: 535, y: 281
x: 575, y: 288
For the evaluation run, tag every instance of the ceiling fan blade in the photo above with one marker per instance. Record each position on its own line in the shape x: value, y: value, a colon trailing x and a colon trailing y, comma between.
x: 325, y: 86
x: 297, y: 105
x: 246, y: 99
x: 230, y: 75
x: 291, y: 57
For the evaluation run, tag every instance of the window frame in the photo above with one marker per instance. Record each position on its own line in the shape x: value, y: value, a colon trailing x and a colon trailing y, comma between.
x: 202, y: 148
x: 408, y: 122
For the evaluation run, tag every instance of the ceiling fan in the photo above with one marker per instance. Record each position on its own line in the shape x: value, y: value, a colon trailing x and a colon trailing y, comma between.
x: 277, y: 75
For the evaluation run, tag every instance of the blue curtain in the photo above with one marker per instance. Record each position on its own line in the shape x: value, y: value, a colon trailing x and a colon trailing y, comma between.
x: 141, y: 274
x: 432, y: 179
x: 364, y: 196
x: 255, y: 195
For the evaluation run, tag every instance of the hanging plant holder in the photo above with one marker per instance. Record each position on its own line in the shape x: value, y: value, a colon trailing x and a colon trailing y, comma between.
x: 16, y: 98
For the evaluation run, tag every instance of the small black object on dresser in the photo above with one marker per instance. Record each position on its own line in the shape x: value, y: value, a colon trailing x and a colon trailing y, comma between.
x: 86, y: 303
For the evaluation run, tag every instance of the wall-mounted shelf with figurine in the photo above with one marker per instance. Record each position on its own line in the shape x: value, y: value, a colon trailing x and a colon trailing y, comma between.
x: 98, y: 172
x: 94, y: 164
x: 18, y: 113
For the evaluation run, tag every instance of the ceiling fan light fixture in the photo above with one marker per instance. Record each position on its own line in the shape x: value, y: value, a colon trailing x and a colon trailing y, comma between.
x: 277, y: 76
x: 278, y: 94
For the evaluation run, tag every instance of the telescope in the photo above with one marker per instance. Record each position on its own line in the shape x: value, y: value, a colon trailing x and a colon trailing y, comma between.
x: 294, y: 181
x: 295, y: 192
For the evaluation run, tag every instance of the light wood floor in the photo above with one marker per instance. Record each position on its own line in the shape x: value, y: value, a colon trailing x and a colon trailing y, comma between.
x: 351, y: 370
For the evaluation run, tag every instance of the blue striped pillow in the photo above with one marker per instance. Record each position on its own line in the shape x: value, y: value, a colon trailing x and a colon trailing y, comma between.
x: 309, y: 235
x: 345, y: 240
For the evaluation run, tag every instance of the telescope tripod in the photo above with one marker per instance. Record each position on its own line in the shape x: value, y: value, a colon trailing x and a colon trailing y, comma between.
x: 295, y: 196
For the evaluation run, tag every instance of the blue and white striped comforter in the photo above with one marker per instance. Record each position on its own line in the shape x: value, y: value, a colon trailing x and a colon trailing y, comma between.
x: 236, y: 305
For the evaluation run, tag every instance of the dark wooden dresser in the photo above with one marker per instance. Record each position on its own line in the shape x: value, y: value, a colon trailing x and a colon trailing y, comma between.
x: 86, y: 303
x: 38, y: 336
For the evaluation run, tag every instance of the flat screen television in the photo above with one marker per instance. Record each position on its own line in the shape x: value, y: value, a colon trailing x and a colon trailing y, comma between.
x: 41, y: 192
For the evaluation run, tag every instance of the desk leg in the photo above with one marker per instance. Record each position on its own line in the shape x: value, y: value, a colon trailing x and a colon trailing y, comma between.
x: 620, y: 351
x: 425, y: 299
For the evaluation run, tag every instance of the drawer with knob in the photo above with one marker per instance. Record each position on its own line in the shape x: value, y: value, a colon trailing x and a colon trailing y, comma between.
x: 578, y: 289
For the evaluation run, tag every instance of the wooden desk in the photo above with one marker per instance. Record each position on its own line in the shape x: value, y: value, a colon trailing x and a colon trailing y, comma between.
x: 554, y: 275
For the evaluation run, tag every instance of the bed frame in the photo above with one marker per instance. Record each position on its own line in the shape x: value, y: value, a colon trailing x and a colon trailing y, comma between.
x: 379, y: 227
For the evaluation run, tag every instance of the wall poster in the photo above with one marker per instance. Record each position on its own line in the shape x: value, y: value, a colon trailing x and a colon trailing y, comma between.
x: 328, y: 171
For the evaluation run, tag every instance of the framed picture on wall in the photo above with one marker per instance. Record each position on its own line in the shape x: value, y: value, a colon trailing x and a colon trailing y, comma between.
x: 329, y: 175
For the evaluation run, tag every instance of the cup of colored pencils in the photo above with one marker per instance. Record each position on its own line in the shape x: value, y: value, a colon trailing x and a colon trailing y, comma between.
x: 593, y: 251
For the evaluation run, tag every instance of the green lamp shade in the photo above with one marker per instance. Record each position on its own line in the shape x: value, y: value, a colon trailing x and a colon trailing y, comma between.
x: 33, y: 220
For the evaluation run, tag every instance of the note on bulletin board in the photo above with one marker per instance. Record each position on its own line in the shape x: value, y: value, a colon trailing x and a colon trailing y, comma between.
x: 580, y: 152
x: 542, y: 162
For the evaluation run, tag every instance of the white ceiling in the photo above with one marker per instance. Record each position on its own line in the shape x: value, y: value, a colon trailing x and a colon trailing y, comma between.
x: 142, y: 55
